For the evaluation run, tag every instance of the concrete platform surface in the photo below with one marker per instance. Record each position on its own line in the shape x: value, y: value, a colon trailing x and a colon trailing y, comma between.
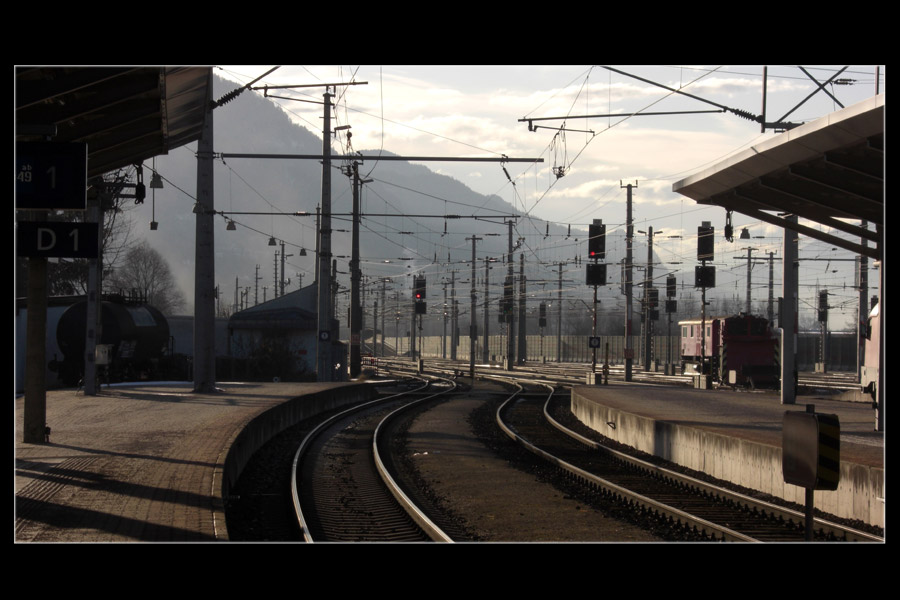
x: 737, y: 437
x: 141, y: 463
x: 755, y: 416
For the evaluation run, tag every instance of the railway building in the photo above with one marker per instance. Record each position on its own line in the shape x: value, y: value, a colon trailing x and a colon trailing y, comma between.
x: 277, y: 339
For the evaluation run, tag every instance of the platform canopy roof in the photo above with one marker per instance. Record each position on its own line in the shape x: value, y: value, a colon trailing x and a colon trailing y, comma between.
x: 829, y: 171
x: 124, y: 114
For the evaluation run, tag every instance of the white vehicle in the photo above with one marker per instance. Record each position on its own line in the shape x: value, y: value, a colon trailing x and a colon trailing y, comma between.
x: 869, y: 375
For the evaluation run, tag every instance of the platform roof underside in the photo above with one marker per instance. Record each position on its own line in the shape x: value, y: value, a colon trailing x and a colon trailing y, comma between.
x: 124, y: 114
x: 829, y: 171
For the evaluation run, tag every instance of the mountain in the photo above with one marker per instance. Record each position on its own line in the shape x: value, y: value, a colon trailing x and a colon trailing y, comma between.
x: 432, y: 238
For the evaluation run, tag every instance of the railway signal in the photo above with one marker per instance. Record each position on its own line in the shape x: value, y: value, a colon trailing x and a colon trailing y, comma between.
x: 823, y: 306
x: 595, y: 274
x: 671, y: 307
x: 706, y: 241
x: 704, y: 276
x: 419, y: 288
x: 597, y: 239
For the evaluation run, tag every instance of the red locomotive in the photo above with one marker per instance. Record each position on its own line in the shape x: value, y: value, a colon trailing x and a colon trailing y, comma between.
x: 739, y: 350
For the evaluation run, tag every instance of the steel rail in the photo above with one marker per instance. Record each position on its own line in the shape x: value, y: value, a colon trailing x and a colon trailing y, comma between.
x: 823, y: 525
x: 295, y: 484
x: 428, y: 526
x: 680, y: 516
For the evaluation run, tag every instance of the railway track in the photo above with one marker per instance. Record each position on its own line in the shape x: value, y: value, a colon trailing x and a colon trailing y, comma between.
x: 575, y: 373
x: 344, y: 481
x: 701, y: 511
x: 344, y: 498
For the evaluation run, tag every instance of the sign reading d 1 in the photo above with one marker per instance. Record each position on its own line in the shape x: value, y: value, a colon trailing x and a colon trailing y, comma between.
x: 51, y: 176
x: 57, y: 239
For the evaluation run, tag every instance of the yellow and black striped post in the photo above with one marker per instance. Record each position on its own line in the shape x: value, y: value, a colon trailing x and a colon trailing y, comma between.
x: 829, y: 472
x: 811, y: 454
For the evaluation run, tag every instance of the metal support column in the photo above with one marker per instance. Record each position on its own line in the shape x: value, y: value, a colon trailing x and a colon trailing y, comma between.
x: 629, y: 237
x: 522, y: 349
x: 472, y: 320
x: 485, y: 351
x: 788, y: 318
x: 510, y: 321
x: 205, y: 265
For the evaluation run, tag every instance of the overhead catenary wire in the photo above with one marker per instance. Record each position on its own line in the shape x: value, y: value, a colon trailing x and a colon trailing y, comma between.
x: 531, y: 223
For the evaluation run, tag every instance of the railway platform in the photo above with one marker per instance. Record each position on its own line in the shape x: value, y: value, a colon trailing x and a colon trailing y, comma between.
x: 151, y: 463
x: 737, y: 436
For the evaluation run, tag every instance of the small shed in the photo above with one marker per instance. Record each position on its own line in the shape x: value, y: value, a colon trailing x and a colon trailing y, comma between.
x: 278, y: 339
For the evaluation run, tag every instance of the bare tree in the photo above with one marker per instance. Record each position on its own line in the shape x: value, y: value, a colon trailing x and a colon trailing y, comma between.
x: 144, y: 270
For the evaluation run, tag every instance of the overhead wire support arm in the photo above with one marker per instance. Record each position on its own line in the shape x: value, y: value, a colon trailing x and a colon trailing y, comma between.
x: 362, y: 157
x: 532, y: 127
x: 741, y: 113
x: 417, y: 216
x: 266, y: 89
x: 309, y: 85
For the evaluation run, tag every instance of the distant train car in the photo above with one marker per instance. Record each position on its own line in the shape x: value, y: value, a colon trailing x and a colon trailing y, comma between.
x: 740, y: 350
x: 871, y: 362
x: 136, y: 335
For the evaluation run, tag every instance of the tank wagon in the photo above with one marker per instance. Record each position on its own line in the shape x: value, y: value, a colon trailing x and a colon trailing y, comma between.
x: 740, y: 350
x: 135, y: 335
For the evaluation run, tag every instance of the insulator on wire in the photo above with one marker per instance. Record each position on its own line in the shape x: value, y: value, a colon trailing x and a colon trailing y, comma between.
x: 746, y: 115
x: 228, y: 97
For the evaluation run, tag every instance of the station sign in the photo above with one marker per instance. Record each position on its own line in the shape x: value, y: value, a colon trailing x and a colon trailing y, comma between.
x: 56, y: 239
x: 51, y: 176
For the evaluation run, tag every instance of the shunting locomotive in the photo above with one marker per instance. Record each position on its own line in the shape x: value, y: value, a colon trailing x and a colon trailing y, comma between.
x: 738, y: 350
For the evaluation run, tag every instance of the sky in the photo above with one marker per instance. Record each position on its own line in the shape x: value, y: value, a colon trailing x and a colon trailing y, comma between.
x: 478, y: 111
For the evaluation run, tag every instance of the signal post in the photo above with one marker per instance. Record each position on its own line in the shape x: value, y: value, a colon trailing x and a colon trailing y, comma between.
x: 595, y: 276
x: 704, y: 277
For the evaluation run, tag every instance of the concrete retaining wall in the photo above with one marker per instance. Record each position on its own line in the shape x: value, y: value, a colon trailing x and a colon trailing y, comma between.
x: 267, y: 425
x: 860, y: 494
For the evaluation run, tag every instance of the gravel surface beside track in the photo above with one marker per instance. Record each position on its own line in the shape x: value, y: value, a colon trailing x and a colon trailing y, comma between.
x: 490, y: 487
x: 493, y: 486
